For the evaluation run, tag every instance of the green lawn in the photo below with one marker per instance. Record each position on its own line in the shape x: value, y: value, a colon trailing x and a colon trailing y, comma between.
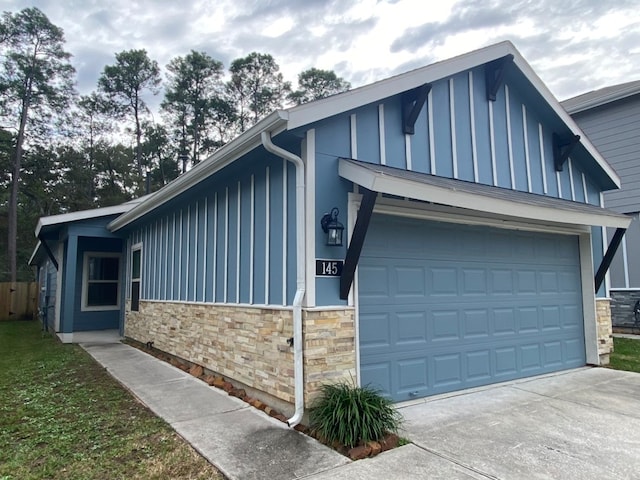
x: 626, y: 354
x: 63, y: 417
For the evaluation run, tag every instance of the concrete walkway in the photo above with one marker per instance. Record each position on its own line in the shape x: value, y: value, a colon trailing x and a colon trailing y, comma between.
x: 583, y: 423
x: 241, y: 441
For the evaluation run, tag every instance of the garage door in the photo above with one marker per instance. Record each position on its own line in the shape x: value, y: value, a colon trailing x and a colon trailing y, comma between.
x: 444, y: 307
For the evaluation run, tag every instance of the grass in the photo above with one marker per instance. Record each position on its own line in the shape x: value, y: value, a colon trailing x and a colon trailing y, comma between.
x: 63, y: 417
x: 626, y: 355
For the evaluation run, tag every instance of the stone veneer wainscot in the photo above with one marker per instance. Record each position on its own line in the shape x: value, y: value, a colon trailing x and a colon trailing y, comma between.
x: 605, y: 333
x: 248, y: 344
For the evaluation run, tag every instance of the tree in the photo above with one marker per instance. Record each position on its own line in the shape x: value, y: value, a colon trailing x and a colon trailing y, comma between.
x: 256, y: 88
x: 36, y: 82
x: 160, y: 156
x: 94, y: 125
x: 314, y: 84
x: 124, y: 83
x: 194, y: 86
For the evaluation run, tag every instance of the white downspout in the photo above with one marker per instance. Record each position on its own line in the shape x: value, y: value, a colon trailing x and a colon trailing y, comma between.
x: 298, y: 371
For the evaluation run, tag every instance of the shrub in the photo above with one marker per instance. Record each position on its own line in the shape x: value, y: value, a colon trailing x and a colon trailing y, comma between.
x: 349, y: 415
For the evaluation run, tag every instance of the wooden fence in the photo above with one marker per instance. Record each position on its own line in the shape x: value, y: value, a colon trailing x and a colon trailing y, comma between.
x: 18, y: 301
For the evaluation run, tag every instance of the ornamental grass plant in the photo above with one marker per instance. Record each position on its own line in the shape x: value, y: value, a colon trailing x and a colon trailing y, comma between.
x: 351, y: 415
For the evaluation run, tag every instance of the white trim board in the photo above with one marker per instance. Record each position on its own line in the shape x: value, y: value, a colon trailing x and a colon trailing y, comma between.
x: 476, y: 197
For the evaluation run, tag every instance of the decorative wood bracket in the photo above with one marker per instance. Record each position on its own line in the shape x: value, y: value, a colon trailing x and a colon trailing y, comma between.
x: 357, y: 241
x: 608, y: 257
x: 494, y: 75
x: 49, y: 252
x: 412, y: 102
x: 562, y: 148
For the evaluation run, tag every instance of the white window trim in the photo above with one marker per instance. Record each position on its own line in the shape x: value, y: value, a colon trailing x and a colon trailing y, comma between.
x: 85, y: 281
x: 135, y: 247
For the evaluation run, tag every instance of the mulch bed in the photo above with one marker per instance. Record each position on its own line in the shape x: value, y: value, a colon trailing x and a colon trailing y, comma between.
x: 363, y: 450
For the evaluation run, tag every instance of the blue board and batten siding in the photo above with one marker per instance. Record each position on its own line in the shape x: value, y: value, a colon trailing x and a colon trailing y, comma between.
x: 230, y: 240
x: 458, y: 134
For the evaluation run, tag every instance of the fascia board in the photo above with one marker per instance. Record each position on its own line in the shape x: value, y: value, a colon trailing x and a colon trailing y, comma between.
x: 595, y: 99
x: 446, y: 196
x: 35, y: 252
x: 275, y: 123
x: 81, y: 215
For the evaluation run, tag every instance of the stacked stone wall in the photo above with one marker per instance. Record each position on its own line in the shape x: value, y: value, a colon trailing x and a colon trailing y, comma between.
x: 605, y: 333
x: 622, y: 303
x: 249, y: 344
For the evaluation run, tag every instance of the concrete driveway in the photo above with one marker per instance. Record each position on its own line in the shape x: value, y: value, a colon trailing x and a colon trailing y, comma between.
x: 582, y: 424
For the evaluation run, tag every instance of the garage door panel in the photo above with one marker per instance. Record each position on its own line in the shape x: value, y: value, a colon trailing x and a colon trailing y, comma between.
x: 377, y: 375
x: 505, y: 321
x: 478, y: 365
x: 445, y: 325
x: 501, y: 281
x: 526, y: 282
x: 412, y: 375
x: 506, y: 361
x: 530, y: 357
x: 475, y: 324
x: 375, y: 331
x: 447, y: 370
x: 441, y: 319
x: 552, y: 353
x: 443, y: 281
x: 412, y: 329
x: 409, y: 281
x: 574, y: 352
x: 373, y: 284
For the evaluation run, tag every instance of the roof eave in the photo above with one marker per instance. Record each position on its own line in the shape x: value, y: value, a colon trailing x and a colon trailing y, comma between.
x: 63, y: 218
x: 595, y: 100
x: 275, y: 123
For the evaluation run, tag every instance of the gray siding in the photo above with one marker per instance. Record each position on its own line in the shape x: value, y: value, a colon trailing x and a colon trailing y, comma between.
x: 615, y: 131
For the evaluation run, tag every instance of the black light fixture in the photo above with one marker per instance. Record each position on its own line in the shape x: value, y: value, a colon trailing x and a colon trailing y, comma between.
x: 332, y: 227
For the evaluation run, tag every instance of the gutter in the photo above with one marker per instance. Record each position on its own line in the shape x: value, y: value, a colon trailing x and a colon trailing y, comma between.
x: 298, y: 353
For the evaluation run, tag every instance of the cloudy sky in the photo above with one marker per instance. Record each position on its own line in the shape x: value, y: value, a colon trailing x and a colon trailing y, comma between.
x: 574, y: 45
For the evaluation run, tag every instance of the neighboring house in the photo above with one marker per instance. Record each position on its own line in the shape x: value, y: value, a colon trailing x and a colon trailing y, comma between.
x: 610, y: 117
x: 471, y: 212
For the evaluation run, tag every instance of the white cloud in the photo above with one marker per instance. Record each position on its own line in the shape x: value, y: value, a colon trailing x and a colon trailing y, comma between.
x: 575, y: 45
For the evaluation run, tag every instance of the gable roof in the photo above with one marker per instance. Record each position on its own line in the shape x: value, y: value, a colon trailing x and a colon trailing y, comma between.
x: 306, y: 114
x: 602, y: 96
x: 53, y: 221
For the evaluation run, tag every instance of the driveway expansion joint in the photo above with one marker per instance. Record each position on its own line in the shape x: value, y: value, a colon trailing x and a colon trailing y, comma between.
x: 457, y: 462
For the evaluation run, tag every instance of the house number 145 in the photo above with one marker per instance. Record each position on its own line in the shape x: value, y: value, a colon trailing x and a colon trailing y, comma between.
x: 329, y: 268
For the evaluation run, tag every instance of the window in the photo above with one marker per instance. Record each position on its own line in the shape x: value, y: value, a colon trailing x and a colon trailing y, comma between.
x: 101, y: 281
x: 136, y: 268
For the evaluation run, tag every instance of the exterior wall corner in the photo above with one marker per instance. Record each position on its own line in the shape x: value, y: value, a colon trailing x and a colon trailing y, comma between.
x: 605, y: 334
x: 329, y: 349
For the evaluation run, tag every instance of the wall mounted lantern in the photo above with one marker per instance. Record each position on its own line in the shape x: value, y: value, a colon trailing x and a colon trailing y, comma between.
x: 332, y: 227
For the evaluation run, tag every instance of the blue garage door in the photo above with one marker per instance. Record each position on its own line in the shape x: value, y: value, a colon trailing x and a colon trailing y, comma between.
x: 444, y: 307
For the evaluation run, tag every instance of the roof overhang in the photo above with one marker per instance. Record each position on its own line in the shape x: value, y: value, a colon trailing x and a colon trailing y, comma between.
x: 485, y: 199
x: 274, y: 123
x: 53, y: 221
x: 596, y: 98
